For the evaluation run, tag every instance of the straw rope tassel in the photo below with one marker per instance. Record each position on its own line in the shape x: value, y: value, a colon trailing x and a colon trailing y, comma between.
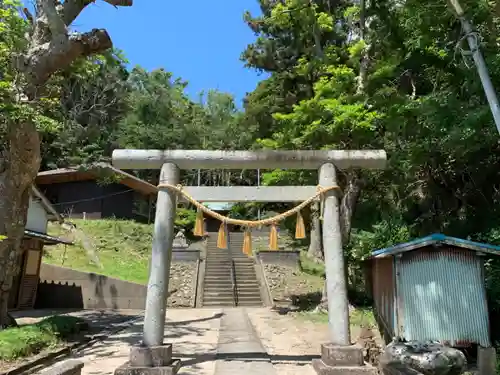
x: 247, y: 242
x: 300, y: 230
x: 199, y: 224
x: 221, y: 237
x: 273, y: 238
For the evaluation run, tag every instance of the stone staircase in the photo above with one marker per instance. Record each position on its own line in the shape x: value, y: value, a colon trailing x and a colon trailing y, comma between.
x: 230, y: 278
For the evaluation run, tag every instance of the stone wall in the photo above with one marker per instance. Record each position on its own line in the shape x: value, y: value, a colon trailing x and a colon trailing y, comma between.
x: 282, y: 258
x: 183, y: 280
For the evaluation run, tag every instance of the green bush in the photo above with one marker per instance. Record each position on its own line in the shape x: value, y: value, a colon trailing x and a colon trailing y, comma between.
x: 30, y: 339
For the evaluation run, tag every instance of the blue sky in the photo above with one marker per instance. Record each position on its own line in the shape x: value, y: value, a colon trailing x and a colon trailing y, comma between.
x: 199, y: 41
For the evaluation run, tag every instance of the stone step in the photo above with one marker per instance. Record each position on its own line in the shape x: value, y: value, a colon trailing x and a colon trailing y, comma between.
x: 248, y: 286
x: 245, y: 277
x: 251, y: 285
x: 212, y: 292
x: 245, y: 269
x: 245, y: 297
x: 218, y: 284
x: 249, y: 299
x: 218, y: 270
x: 251, y: 304
x: 211, y: 295
x: 221, y: 300
x: 218, y: 287
x: 217, y: 304
x: 219, y: 281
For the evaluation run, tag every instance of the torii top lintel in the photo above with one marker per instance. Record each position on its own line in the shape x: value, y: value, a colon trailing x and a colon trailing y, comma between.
x: 262, y: 159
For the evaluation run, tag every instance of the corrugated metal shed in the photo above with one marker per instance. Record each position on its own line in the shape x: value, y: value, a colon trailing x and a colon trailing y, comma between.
x: 384, y: 293
x: 436, y: 239
x: 434, y: 287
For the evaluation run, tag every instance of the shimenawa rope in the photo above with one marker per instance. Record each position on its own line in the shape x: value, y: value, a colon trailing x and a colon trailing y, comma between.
x: 248, y: 224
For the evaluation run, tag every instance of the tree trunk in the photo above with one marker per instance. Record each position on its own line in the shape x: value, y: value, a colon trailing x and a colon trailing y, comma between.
x: 51, y: 48
x: 19, y: 163
x: 315, y: 250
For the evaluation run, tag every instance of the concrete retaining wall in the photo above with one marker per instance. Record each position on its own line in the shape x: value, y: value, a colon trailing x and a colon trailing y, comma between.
x: 282, y: 258
x: 62, y: 287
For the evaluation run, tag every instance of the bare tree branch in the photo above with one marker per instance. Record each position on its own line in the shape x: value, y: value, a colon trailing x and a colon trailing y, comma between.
x: 120, y: 3
x: 53, y: 20
x: 28, y: 15
x: 71, y: 9
x: 44, y: 60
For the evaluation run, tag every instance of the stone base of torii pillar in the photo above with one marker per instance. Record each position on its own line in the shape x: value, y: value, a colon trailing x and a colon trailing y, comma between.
x: 150, y: 360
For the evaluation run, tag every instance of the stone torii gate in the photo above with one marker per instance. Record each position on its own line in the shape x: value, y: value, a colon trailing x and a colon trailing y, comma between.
x: 153, y: 355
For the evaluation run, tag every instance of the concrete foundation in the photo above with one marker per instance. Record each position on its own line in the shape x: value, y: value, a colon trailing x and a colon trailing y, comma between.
x: 486, y: 361
x: 150, y: 360
x: 340, y: 360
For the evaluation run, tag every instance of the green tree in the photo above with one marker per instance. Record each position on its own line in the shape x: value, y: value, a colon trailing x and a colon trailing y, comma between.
x: 25, y: 88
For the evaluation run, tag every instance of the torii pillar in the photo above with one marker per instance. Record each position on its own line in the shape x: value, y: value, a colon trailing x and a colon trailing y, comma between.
x: 152, y: 355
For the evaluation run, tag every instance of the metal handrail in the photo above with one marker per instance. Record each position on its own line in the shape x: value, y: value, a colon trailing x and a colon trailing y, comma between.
x: 233, y: 279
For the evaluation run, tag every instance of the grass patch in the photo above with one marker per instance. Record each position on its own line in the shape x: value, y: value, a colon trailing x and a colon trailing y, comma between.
x: 359, y: 317
x: 311, y: 267
x: 122, y: 248
x: 30, y: 339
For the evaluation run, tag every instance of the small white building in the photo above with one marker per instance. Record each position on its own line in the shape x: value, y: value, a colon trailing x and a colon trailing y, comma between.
x: 25, y: 284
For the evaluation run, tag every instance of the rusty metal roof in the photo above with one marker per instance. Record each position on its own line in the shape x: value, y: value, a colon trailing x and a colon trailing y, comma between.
x: 435, y: 239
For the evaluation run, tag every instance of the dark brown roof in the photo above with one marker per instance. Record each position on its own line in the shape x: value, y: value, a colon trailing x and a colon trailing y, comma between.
x: 57, y: 176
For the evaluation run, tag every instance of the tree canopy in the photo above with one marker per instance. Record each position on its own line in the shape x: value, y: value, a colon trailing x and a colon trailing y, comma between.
x: 342, y: 75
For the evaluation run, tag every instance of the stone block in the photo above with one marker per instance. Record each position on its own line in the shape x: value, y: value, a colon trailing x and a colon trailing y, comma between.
x: 70, y: 367
x: 342, y: 360
x: 323, y: 369
x: 150, y: 356
x: 339, y: 355
x: 127, y: 369
x: 486, y: 361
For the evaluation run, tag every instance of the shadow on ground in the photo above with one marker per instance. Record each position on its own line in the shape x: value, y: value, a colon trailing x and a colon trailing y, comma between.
x: 98, y: 320
x: 310, y: 301
x: 187, y: 336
